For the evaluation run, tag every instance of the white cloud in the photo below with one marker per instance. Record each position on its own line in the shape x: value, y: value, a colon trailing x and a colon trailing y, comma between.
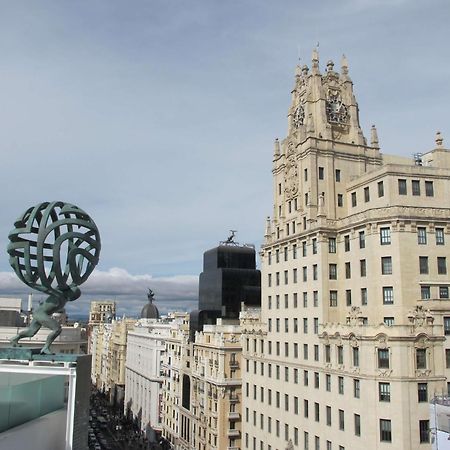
x: 178, y: 292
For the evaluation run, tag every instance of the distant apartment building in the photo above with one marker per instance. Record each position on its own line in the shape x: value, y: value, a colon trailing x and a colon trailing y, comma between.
x: 350, y: 344
x: 102, y: 311
x: 108, y: 342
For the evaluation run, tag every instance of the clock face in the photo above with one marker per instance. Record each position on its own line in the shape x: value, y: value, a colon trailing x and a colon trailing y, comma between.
x: 337, y: 112
x: 298, y: 116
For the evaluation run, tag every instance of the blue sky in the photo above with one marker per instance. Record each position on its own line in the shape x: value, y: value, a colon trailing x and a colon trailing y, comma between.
x: 158, y: 117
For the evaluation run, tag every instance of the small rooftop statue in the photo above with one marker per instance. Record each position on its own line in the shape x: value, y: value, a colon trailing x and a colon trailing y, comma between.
x: 53, y: 248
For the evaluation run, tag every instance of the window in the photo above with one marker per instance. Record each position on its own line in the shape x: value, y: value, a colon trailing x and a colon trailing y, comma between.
x: 415, y: 187
x: 269, y: 258
x: 363, y: 296
x: 305, y: 378
x: 305, y: 299
x: 332, y: 245
x: 439, y: 236
x: 347, y: 243
x: 366, y: 194
x: 421, y: 235
x: 402, y: 187
x: 338, y: 175
x: 356, y: 388
x: 388, y: 321
x: 340, y: 354
x: 295, y: 350
x: 321, y: 171
x: 425, y: 293
x: 422, y: 392
x: 294, y: 275
x: 383, y: 358
x: 295, y: 299
x: 362, y: 239
x: 277, y: 255
x: 296, y: 376
x: 348, y: 272
x: 306, y: 408
x: 285, y: 253
x: 354, y: 203
x: 295, y: 325
x: 388, y: 295
x: 362, y: 267
x: 446, y: 326
x: 305, y: 325
x: 357, y: 425
x: 386, y: 265
x: 306, y: 174
x: 341, y: 385
x: 285, y: 277
x: 341, y: 420
x: 286, y: 325
x: 333, y: 298
x: 442, y: 265
x: 316, y: 352
x: 443, y: 291
x: 286, y: 300
x: 269, y: 279
x: 423, y: 265
x: 316, y: 325
x: 304, y: 248
x: 447, y: 358
x: 328, y: 415
x: 424, y: 431
x: 384, y: 392
x: 328, y: 382
x: 316, y: 298
x: 429, y: 191
x: 380, y: 189
x: 385, y: 236
x: 348, y: 297
x: 355, y: 354
x: 305, y: 273
x: 277, y: 278
x: 305, y: 351
x: 385, y: 430
x: 327, y: 353
x: 316, y: 412
x: 332, y: 269
x: 294, y: 251
x: 421, y: 358
x: 314, y: 271
x: 340, y: 200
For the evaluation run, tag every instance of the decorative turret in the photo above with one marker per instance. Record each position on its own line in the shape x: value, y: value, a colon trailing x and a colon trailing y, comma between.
x: 276, y: 151
x: 374, y: 137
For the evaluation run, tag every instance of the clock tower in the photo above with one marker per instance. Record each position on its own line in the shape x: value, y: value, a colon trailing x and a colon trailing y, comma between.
x: 324, y: 148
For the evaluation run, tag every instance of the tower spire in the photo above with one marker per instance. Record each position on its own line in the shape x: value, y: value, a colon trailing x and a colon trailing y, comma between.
x: 315, y: 61
x: 374, y: 137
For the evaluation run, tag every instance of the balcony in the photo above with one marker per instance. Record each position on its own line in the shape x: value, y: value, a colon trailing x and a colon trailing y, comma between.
x: 233, y: 448
x: 234, y: 415
x: 234, y: 364
x: 233, y: 433
x: 234, y: 398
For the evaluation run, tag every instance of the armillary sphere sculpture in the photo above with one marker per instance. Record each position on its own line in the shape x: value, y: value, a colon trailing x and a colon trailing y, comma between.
x: 53, y: 248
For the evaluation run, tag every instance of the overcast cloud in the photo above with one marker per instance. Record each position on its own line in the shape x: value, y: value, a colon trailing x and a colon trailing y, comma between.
x: 158, y: 117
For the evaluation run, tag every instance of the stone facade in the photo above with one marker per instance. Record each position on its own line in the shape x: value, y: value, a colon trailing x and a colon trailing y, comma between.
x: 350, y: 344
x: 202, y: 387
x: 143, y: 375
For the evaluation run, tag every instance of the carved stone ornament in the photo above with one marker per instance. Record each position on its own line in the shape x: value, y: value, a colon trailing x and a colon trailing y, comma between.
x: 290, y: 148
x: 354, y: 316
x: 419, y: 317
x: 291, y: 178
x: 382, y: 341
x: 337, y: 111
x: 385, y: 373
x: 298, y: 117
x: 353, y: 341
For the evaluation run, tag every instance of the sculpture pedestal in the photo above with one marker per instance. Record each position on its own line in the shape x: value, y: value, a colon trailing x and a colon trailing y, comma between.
x: 43, y: 393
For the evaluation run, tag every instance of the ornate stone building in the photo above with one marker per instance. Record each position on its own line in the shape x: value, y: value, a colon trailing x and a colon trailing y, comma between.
x: 351, y: 341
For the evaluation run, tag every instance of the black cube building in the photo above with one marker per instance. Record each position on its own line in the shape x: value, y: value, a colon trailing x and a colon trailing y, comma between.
x: 229, y: 278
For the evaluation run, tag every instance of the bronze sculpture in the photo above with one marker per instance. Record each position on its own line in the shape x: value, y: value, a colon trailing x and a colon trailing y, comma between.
x: 53, y: 248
